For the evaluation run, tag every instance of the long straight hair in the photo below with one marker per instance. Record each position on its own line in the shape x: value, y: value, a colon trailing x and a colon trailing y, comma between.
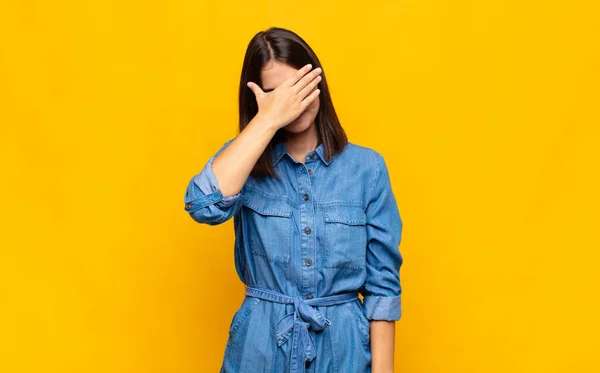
x: 285, y: 46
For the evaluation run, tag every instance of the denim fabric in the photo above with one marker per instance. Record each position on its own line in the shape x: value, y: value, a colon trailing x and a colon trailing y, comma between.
x: 322, y: 230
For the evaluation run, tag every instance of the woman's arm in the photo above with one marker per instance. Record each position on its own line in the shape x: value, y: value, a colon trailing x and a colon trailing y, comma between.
x: 383, y: 335
x: 214, y: 195
x: 209, y: 197
x: 382, y: 290
x: 233, y: 165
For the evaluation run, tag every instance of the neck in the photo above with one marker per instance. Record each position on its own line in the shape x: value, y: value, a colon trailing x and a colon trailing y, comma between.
x: 303, y: 142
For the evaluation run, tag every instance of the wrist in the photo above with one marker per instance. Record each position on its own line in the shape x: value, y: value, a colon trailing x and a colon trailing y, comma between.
x: 267, y: 122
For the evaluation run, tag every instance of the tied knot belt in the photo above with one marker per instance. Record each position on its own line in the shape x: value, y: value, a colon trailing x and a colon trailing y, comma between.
x: 297, y: 323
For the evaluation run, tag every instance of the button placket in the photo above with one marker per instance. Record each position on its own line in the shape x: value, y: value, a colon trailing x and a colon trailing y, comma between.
x: 306, y: 215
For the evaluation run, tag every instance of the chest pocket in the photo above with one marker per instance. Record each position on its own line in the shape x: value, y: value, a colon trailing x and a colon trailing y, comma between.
x: 268, y: 226
x: 345, y: 237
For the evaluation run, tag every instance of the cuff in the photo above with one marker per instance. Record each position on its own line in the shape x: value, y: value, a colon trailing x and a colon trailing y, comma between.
x: 203, y: 201
x: 382, y: 308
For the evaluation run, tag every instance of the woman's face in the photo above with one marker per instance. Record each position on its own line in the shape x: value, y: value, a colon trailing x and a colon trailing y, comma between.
x: 274, y: 73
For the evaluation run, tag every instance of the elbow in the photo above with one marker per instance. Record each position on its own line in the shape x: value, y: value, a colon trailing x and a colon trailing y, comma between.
x: 209, y: 219
x: 213, y: 209
x: 203, y: 210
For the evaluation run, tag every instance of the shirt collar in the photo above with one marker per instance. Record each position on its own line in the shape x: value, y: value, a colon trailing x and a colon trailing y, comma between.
x: 279, y: 150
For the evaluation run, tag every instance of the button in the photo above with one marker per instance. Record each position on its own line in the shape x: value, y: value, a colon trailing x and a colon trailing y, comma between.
x: 311, y: 155
x: 310, y: 171
x: 308, y: 262
x: 307, y: 230
x: 188, y: 206
x: 305, y: 197
x: 309, y: 296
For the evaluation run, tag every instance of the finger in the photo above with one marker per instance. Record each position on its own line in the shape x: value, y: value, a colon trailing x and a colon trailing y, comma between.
x: 309, y: 87
x: 294, y: 78
x: 255, y: 89
x: 308, y: 78
x: 307, y: 101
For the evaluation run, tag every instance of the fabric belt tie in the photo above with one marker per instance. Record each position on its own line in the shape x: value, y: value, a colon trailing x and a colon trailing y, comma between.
x: 296, y: 324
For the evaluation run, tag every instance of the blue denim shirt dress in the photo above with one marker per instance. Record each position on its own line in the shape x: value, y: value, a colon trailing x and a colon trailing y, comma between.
x: 306, y: 244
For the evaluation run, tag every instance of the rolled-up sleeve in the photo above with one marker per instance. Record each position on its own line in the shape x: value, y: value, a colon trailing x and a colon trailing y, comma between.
x: 382, y: 290
x: 203, y: 198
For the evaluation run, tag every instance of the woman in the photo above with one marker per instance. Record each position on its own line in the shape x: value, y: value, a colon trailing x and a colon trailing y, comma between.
x: 315, y: 222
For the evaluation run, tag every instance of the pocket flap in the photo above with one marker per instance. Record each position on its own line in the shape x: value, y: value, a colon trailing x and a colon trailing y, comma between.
x: 267, y: 206
x: 352, y: 215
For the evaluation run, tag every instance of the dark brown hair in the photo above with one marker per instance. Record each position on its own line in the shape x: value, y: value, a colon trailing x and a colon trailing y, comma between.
x: 285, y: 46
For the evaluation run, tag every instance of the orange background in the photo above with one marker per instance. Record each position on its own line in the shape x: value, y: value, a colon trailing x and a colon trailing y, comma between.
x: 487, y: 114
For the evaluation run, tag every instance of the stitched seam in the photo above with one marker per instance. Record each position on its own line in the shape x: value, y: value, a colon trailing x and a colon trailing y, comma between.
x: 340, y: 203
x: 376, y: 171
x: 263, y: 193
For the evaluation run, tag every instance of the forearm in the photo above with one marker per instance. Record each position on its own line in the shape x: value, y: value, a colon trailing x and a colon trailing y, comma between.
x: 234, y: 164
x: 382, y: 345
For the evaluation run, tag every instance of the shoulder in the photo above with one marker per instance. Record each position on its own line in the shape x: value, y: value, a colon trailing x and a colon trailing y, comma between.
x: 367, y: 156
x: 368, y: 163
